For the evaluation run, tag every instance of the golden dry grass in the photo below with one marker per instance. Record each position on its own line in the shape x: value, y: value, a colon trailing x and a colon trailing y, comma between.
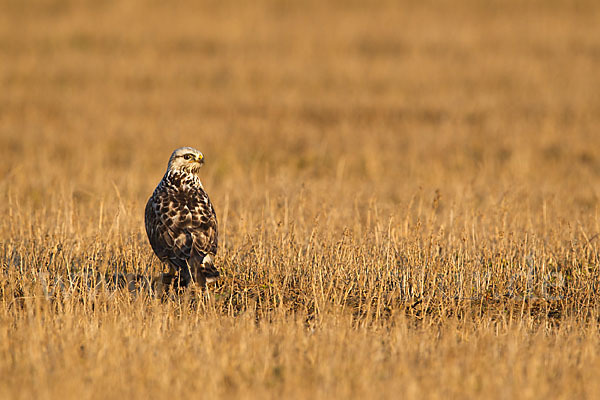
x: 407, y: 193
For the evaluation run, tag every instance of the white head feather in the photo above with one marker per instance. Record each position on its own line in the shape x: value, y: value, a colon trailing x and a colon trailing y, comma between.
x: 186, y: 159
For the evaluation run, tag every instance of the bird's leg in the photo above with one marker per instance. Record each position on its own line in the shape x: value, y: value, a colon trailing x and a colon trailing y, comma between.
x: 201, y: 277
x: 168, y: 277
x: 185, y: 276
x: 162, y: 283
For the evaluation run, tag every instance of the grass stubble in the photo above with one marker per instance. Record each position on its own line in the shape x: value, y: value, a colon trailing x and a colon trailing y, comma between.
x: 407, y: 196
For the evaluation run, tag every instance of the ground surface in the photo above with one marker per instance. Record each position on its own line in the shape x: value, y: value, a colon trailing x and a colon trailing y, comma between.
x: 407, y: 193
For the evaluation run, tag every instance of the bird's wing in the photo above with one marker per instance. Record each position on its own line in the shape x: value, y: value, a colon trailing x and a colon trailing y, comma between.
x: 204, y: 226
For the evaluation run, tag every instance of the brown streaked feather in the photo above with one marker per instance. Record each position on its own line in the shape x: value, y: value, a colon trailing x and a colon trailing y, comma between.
x: 181, y: 222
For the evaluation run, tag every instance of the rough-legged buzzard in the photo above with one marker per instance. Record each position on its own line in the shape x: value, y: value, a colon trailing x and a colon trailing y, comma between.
x: 181, y: 223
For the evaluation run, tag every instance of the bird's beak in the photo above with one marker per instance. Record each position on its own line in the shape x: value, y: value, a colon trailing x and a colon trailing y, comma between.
x: 200, y: 159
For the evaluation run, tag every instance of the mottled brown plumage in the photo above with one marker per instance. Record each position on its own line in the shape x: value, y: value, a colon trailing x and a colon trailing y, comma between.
x: 181, y: 222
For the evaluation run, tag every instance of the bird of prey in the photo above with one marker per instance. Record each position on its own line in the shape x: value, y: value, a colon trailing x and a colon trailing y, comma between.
x: 181, y: 222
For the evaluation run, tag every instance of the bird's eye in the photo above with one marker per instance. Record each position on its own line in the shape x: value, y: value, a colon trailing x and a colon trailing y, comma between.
x: 188, y: 156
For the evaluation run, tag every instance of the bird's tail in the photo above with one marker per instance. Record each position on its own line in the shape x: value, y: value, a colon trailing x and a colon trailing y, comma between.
x: 208, y: 269
x: 202, y: 272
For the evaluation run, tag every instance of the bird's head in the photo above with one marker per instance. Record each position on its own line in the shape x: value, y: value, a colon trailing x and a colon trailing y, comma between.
x: 186, y: 159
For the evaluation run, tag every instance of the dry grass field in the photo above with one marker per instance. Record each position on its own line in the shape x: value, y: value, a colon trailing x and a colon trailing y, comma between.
x: 407, y: 192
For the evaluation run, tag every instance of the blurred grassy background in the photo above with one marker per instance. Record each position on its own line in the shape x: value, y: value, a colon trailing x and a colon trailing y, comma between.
x: 494, y: 95
x: 443, y: 143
